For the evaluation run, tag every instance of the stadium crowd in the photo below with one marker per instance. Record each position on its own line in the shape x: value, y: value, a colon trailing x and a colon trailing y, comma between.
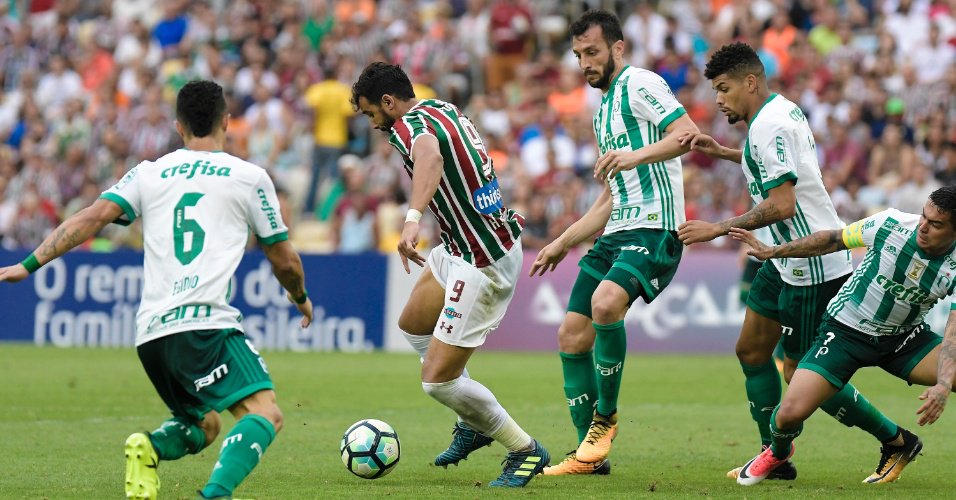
x: 87, y: 87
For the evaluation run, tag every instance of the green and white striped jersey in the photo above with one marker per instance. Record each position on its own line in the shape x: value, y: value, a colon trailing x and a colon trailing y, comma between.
x: 897, y: 284
x: 780, y: 148
x: 634, y: 112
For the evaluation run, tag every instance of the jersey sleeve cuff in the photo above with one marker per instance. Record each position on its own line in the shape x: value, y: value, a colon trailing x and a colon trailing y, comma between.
x: 127, y: 209
x: 677, y: 113
x: 789, y: 176
x: 273, y: 239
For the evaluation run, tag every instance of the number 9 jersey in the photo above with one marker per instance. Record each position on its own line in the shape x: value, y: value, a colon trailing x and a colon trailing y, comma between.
x: 197, y: 208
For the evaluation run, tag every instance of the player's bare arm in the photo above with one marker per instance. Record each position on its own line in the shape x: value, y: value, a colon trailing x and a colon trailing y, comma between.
x: 75, y: 230
x: 287, y: 268
x: 615, y: 161
x: 779, y: 205
x: 706, y: 144
x: 818, y: 243
x: 593, y: 221
x: 425, y: 180
x: 935, y: 396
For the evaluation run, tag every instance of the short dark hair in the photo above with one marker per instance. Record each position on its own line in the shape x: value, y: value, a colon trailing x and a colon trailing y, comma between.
x: 945, y: 199
x: 200, y: 106
x: 609, y: 23
x: 378, y: 79
x: 736, y: 59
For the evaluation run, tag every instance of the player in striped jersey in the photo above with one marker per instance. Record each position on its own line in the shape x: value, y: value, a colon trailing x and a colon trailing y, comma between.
x: 470, y: 278
x: 788, y: 296
x: 875, y: 320
x: 637, y: 127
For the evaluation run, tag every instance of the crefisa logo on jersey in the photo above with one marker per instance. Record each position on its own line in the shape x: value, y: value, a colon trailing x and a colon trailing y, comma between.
x: 267, y: 209
x: 488, y: 198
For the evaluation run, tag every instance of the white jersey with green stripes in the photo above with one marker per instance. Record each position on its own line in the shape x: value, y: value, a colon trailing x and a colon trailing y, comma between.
x: 896, y: 284
x: 197, y: 209
x: 634, y: 112
x: 780, y: 148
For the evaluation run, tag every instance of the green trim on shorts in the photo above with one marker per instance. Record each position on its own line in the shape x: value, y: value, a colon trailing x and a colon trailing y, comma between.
x: 823, y: 372
x: 915, y: 360
x: 648, y: 291
x: 591, y: 271
x: 243, y: 393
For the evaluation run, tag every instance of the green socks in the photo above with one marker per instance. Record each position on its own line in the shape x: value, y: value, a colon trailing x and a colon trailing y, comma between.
x: 782, y: 439
x: 851, y: 409
x: 241, y: 451
x: 610, y: 346
x: 763, y: 392
x: 177, y: 437
x: 580, y: 387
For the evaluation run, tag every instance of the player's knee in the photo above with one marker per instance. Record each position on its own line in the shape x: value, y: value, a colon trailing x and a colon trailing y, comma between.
x: 276, y: 417
x: 751, y: 354
x: 605, y: 311
x: 574, y: 339
x: 211, y: 425
x: 791, y: 414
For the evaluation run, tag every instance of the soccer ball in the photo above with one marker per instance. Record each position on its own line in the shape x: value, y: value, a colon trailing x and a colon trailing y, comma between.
x: 370, y: 448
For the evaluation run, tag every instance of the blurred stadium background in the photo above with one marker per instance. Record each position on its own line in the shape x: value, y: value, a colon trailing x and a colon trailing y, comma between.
x: 87, y: 88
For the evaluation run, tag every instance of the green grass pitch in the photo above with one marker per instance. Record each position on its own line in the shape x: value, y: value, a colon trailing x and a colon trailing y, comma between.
x: 684, y: 422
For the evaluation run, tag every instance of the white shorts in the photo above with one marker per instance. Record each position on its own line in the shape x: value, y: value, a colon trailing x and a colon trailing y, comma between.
x: 475, y: 299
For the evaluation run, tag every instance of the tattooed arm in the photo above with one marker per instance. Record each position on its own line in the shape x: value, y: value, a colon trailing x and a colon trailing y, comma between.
x: 80, y: 227
x: 780, y: 204
x: 818, y: 243
x: 935, y: 397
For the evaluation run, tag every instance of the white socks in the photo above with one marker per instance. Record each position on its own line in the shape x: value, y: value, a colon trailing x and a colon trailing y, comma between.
x: 477, y: 407
x: 420, y: 344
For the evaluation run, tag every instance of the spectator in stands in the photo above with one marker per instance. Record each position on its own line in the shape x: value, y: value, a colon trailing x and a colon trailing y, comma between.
x: 511, y: 31
x: 329, y: 100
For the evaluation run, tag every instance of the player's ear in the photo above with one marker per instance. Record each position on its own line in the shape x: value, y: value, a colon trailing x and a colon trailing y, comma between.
x: 179, y: 129
x: 225, y: 122
x: 617, y: 49
x: 751, y: 83
x: 388, y: 102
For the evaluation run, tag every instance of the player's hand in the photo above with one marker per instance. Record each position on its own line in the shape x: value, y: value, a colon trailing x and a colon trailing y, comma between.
x: 13, y: 273
x: 697, y: 231
x: 702, y: 143
x: 757, y: 248
x: 935, y: 403
x: 613, y: 162
x: 548, y: 258
x: 305, y: 308
x: 408, y: 246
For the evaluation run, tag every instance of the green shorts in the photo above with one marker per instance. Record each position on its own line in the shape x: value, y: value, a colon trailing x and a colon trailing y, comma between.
x: 198, y: 371
x: 840, y: 351
x: 798, y: 309
x: 641, y: 261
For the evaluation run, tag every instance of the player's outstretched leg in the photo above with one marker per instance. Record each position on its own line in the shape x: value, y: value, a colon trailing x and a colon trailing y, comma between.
x: 521, y: 466
x: 894, y: 459
x: 464, y: 440
x: 571, y: 465
x: 142, y: 481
